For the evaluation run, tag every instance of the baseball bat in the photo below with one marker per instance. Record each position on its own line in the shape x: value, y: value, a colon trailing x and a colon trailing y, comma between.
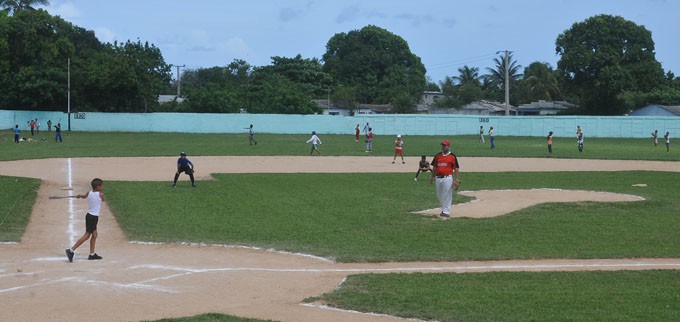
x: 61, y: 197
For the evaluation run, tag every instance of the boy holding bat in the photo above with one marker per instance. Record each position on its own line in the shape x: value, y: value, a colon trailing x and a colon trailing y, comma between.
x: 94, y: 204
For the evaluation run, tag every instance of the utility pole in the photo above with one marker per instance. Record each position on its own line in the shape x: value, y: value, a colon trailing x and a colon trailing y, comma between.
x: 178, y: 78
x: 328, y: 92
x: 507, y: 80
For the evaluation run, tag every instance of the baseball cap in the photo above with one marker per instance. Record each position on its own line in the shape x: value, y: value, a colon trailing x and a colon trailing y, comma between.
x: 446, y: 142
x: 183, y: 153
x: 398, y: 135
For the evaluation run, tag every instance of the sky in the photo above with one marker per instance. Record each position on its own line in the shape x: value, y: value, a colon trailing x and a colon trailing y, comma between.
x: 445, y: 34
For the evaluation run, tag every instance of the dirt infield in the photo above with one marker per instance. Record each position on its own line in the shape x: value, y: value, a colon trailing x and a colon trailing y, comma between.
x: 149, y: 281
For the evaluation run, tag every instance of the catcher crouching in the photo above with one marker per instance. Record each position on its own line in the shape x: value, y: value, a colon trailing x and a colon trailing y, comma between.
x: 184, y: 165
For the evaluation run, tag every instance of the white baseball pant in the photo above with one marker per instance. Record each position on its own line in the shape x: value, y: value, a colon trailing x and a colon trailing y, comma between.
x: 445, y: 193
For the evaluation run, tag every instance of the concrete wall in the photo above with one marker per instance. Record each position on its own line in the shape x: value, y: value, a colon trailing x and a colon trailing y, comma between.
x: 417, y: 124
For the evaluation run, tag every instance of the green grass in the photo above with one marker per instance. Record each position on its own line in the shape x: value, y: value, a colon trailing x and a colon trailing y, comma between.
x: 212, y: 317
x: 17, y: 196
x: 365, y: 217
x: 101, y: 144
x: 524, y: 296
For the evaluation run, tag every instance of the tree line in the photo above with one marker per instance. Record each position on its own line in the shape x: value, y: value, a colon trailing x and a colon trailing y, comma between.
x: 607, y: 66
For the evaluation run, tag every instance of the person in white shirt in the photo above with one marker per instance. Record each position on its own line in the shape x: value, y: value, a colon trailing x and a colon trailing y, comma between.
x: 94, y: 205
x: 315, y: 141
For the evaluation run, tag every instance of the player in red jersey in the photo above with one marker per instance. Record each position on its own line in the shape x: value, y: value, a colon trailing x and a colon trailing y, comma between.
x: 398, y: 149
x: 445, y: 165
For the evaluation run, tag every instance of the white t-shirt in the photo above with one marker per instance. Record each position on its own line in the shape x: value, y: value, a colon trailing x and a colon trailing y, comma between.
x: 314, y: 140
x: 94, y: 203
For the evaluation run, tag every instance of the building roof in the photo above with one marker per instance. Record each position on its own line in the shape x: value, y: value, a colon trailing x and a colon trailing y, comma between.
x: 487, y: 105
x: 657, y: 110
x: 675, y: 109
x: 547, y: 105
x: 162, y: 99
x: 378, y: 108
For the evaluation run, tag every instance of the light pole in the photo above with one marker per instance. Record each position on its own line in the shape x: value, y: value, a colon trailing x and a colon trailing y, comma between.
x: 68, y: 95
x: 178, y: 78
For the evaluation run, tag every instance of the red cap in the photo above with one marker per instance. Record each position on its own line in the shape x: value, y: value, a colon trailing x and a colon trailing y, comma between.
x: 446, y: 142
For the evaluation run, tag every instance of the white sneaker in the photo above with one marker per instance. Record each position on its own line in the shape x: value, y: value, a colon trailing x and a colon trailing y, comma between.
x: 415, y: 179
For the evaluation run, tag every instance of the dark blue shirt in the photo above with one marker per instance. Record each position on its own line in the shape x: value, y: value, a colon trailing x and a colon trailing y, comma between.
x: 183, y: 162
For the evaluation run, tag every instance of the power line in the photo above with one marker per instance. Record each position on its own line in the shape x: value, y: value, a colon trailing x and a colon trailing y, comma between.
x: 460, y: 61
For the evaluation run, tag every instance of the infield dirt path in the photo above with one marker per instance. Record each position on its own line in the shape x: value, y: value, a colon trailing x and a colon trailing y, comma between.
x: 141, y: 281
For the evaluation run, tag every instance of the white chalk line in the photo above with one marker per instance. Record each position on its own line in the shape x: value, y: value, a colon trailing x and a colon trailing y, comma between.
x: 406, y: 269
x: 330, y: 308
x: 269, y: 250
x: 8, y: 243
x: 71, y: 211
x: 40, y: 283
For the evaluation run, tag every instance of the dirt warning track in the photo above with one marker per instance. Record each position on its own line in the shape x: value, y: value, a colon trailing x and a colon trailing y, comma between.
x: 138, y: 281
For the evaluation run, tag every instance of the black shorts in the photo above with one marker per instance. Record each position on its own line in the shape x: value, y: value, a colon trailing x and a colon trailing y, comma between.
x: 186, y: 170
x: 91, y: 223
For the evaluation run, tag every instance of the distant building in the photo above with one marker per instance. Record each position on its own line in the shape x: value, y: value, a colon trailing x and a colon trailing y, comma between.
x: 482, y: 107
x: 361, y: 109
x: 545, y: 108
x: 657, y: 110
x: 162, y: 99
x: 427, y: 100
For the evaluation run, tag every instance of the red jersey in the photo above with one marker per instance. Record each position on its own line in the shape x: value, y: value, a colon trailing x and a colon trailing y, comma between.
x: 370, y: 135
x: 445, y: 164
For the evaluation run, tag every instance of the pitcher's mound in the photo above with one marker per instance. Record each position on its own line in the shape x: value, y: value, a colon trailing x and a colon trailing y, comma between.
x: 492, y: 203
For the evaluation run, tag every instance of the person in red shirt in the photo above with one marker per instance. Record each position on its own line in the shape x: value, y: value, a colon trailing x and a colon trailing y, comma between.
x: 398, y: 149
x: 445, y: 165
x: 357, y: 132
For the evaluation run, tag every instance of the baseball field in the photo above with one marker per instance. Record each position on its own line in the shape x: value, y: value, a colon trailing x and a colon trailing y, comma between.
x: 270, y: 233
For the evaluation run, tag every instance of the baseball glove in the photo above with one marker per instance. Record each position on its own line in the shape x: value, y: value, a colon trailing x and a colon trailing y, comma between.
x: 456, y: 184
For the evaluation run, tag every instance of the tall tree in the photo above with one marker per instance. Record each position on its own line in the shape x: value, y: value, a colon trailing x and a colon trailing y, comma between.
x: 497, y: 75
x: 603, y: 57
x: 378, y: 63
x: 539, y: 83
x: 14, y: 6
x: 468, y: 75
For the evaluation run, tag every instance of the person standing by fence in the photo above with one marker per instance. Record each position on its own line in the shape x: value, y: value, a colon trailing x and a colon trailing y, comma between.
x: 492, y: 137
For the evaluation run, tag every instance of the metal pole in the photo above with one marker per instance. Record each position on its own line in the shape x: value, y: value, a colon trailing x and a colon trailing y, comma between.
x: 178, y: 79
x: 68, y: 95
x: 507, y: 85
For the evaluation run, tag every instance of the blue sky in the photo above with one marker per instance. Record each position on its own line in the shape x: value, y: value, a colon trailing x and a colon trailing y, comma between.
x: 445, y: 34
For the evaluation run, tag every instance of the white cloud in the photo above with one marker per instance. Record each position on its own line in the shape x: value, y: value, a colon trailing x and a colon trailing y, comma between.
x: 238, y: 47
x: 105, y: 34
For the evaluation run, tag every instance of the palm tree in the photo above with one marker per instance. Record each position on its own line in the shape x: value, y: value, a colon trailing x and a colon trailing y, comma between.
x: 14, y: 6
x: 497, y: 76
x: 468, y: 75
